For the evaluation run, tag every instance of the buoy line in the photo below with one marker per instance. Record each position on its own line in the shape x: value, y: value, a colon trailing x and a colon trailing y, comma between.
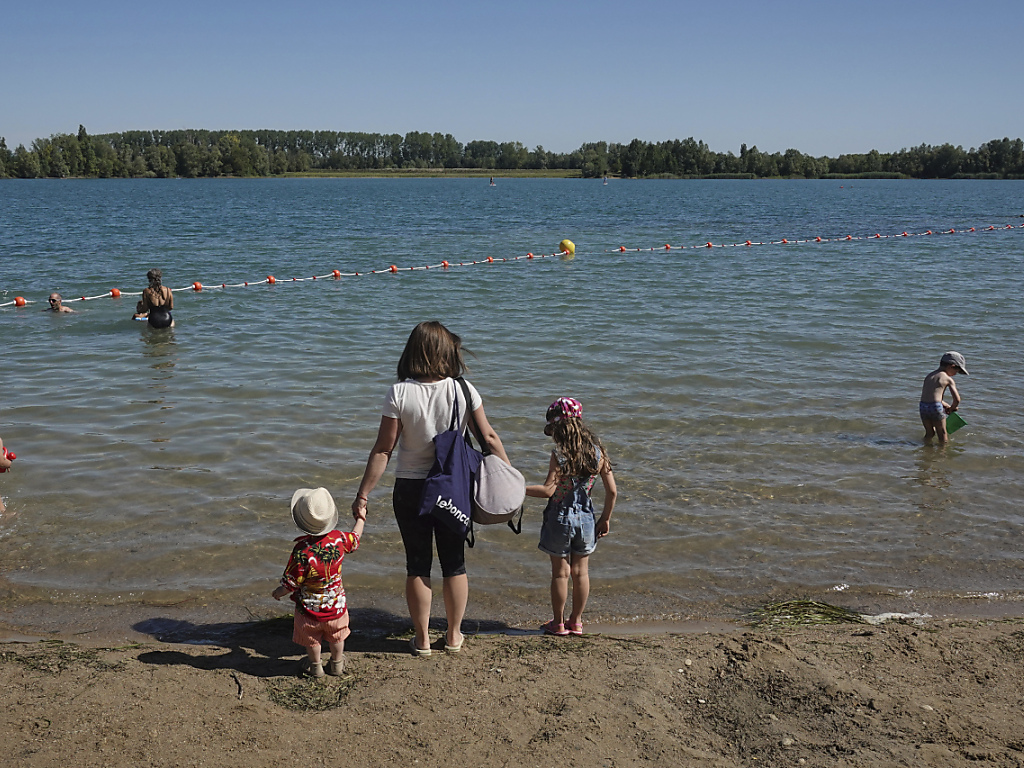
x: 567, y: 248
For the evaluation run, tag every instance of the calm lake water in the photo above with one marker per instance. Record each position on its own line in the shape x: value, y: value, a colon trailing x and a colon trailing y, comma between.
x: 760, y: 404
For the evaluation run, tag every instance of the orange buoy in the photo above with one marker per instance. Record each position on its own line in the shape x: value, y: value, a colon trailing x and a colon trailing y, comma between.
x: 904, y: 235
x: 115, y: 293
x: 19, y: 301
x: 928, y: 232
x: 785, y: 241
x: 529, y: 255
x: 445, y: 264
x: 817, y: 239
x: 749, y: 243
x: 271, y: 279
x: 336, y: 274
x: 877, y: 235
x: 849, y: 237
x: 709, y: 245
x: 246, y: 284
x: 668, y: 247
x: 622, y: 248
x: 197, y: 286
x: 971, y: 229
x: 490, y: 259
x: 394, y: 268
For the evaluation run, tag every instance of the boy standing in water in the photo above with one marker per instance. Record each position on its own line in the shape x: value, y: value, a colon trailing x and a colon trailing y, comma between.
x: 933, y: 410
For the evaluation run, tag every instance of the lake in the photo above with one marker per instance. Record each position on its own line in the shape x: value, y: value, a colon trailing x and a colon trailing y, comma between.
x: 759, y: 403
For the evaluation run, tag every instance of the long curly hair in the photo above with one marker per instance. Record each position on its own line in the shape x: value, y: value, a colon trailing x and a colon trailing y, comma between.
x: 576, y: 444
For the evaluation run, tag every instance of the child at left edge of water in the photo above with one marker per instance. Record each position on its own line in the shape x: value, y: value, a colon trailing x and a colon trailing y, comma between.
x: 313, y: 578
x: 5, y: 464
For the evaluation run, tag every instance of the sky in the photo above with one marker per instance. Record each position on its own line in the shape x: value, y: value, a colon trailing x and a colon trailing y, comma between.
x: 825, y: 77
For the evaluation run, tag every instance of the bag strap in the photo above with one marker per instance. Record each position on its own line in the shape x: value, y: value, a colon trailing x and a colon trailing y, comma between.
x: 471, y: 420
x: 517, y: 525
x: 454, y: 423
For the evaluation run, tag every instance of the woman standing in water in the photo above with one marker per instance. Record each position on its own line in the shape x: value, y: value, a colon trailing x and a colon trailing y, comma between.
x: 157, y: 302
x: 417, y: 408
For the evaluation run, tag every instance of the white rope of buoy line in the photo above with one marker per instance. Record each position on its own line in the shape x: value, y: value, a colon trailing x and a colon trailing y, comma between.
x: 567, y: 248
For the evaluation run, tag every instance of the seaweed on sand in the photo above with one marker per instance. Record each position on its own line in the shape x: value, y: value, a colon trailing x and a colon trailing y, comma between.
x: 793, y: 613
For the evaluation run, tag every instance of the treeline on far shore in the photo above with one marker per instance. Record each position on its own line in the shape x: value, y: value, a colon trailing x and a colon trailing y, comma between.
x: 200, y: 153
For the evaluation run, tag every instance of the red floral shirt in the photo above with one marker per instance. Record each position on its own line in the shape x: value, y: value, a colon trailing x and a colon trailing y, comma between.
x: 313, y: 573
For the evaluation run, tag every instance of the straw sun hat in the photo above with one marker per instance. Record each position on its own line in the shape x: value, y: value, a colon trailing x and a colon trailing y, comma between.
x: 314, y: 511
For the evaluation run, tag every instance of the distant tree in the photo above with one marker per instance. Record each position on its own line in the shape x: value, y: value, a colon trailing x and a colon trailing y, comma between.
x: 5, y: 159
x: 26, y: 163
x: 105, y: 157
x: 85, y: 146
x: 160, y: 161
x: 481, y: 154
x: 212, y: 162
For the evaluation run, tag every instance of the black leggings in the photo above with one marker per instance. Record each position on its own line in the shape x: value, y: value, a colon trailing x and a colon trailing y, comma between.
x: 419, y: 533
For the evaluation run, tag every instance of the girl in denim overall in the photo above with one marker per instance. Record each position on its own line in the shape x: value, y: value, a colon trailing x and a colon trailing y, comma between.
x: 570, y: 532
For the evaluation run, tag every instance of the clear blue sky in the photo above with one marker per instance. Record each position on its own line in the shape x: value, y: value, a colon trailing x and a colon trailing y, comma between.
x: 820, y: 76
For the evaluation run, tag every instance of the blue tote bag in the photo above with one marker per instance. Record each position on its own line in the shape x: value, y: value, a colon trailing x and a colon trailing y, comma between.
x: 448, y: 490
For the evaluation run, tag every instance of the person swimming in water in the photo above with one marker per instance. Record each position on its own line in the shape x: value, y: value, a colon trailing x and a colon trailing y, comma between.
x: 157, y: 302
x: 56, y: 305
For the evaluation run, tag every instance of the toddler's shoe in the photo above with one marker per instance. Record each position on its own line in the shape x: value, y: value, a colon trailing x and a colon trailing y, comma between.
x: 309, y: 669
x: 335, y: 668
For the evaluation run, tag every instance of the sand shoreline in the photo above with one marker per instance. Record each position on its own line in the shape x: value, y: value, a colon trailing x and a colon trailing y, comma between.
x: 940, y: 693
x: 206, y: 617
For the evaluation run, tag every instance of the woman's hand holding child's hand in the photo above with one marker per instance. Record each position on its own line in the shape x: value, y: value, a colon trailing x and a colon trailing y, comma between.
x: 359, y: 508
x: 280, y: 592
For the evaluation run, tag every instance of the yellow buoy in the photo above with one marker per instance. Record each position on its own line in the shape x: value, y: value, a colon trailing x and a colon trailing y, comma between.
x: 567, y: 246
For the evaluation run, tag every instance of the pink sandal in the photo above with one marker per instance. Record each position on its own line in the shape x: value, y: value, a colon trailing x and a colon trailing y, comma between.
x: 574, y: 628
x: 551, y: 628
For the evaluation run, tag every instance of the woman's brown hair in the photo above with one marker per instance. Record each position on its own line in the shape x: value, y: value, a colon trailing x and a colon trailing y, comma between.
x: 432, y: 352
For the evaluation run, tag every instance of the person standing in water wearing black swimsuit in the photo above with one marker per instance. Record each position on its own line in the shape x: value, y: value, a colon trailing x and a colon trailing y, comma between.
x: 157, y: 302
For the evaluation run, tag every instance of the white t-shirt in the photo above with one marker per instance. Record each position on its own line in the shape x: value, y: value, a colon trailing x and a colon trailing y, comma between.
x: 425, y: 411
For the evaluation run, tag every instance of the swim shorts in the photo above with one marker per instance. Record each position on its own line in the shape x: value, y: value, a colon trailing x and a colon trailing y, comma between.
x: 932, y: 411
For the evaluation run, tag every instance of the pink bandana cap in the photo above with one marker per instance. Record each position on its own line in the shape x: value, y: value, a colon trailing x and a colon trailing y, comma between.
x: 564, y: 408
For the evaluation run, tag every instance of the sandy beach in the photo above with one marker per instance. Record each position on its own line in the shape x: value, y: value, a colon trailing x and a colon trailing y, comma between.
x: 940, y: 693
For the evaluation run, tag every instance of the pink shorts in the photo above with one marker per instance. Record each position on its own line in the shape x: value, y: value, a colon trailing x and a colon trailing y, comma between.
x: 308, y: 632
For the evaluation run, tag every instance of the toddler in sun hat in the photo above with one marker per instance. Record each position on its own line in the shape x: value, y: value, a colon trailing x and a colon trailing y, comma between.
x: 313, y: 579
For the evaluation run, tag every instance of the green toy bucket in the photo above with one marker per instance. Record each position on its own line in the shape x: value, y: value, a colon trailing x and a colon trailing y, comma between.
x: 954, y: 422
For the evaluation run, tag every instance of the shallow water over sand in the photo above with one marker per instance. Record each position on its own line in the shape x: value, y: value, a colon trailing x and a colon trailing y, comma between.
x: 759, y: 403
